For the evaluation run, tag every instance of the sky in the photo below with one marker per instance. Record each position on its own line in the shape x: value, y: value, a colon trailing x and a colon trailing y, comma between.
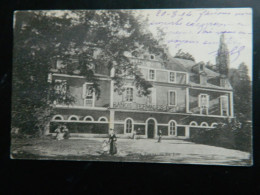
x: 197, y: 31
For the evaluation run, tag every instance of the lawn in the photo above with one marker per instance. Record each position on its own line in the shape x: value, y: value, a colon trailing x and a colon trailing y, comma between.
x: 143, y: 150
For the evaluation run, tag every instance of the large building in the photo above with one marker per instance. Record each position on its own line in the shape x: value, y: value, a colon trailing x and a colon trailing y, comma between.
x: 185, y: 98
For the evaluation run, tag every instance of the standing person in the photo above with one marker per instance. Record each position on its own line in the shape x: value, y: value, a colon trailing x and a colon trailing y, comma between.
x: 57, y: 131
x: 160, y: 135
x: 112, y: 141
x: 66, y: 132
x: 137, y: 132
x: 134, y: 134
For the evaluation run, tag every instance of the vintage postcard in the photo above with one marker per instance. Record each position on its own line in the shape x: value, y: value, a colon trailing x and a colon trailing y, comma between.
x: 154, y: 85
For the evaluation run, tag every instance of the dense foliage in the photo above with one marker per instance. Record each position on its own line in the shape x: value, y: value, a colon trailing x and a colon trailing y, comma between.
x: 233, y: 133
x: 229, y: 134
x: 183, y: 55
x: 242, y: 87
x: 222, y: 58
x: 92, y: 38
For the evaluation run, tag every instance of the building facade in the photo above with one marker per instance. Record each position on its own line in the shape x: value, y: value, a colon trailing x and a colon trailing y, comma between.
x: 185, y: 98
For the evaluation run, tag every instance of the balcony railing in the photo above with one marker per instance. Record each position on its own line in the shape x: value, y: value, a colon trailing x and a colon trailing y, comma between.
x: 147, y: 107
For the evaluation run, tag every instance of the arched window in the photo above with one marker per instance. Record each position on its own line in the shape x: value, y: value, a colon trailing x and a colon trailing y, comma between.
x: 57, y: 118
x: 88, y: 118
x: 204, y: 124
x: 129, y: 126
x: 73, y: 118
x: 102, y: 119
x: 193, y: 123
x: 214, y: 124
x: 172, y: 127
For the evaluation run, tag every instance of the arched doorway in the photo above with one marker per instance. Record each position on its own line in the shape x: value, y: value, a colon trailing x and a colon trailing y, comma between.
x: 151, y: 128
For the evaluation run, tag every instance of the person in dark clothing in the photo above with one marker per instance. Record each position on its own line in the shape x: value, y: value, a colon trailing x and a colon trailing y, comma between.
x: 112, y: 142
x: 160, y: 135
x: 66, y: 132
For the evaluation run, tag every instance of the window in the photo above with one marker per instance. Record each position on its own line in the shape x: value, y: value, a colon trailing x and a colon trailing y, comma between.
x: 102, y: 119
x: 129, y: 126
x: 151, y: 75
x: 203, y: 103
x: 57, y: 117
x: 204, y: 124
x: 214, y: 124
x: 172, y: 77
x: 172, y: 98
x: 193, y: 123
x: 181, y: 78
x: 88, y: 118
x: 129, y: 94
x: 203, y: 79
x: 151, y: 98
x: 60, y: 88
x: 88, y: 95
x: 224, y: 105
x: 203, y: 100
x: 172, y: 128
x: 73, y: 118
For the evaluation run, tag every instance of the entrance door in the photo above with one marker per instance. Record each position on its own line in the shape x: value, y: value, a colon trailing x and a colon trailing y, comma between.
x: 150, y: 128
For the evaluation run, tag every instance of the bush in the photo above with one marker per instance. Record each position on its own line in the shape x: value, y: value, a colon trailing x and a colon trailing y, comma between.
x: 232, y: 134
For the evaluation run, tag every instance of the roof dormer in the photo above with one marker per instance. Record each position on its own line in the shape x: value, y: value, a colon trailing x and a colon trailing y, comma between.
x: 203, y: 78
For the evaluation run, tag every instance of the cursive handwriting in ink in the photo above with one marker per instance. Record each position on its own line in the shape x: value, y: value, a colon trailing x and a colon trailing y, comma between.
x: 234, y: 52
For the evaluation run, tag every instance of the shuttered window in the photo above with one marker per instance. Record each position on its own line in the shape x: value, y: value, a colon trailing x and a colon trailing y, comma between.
x: 172, y: 128
x: 224, y: 105
x: 172, y: 98
x: 172, y: 77
x: 129, y: 126
x: 151, y: 75
x: 88, y: 95
x: 129, y: 94
x: 203, y: 102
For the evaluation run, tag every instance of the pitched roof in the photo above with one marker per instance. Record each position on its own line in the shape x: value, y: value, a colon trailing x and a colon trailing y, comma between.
x: 211, y: 73
x: 187, y: 65
x: 173, y: 64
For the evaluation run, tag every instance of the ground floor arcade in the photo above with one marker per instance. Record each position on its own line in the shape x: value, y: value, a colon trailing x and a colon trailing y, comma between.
x: 96, y: 123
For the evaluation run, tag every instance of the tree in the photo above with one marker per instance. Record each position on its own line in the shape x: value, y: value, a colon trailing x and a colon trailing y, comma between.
x: 222, y: 58
x: 183, y: 55
x: 242, y: 87
x: 42, y: 37
x: 35, y: 47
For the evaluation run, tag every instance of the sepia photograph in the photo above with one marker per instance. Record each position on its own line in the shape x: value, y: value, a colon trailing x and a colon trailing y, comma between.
x: 133, y: 85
